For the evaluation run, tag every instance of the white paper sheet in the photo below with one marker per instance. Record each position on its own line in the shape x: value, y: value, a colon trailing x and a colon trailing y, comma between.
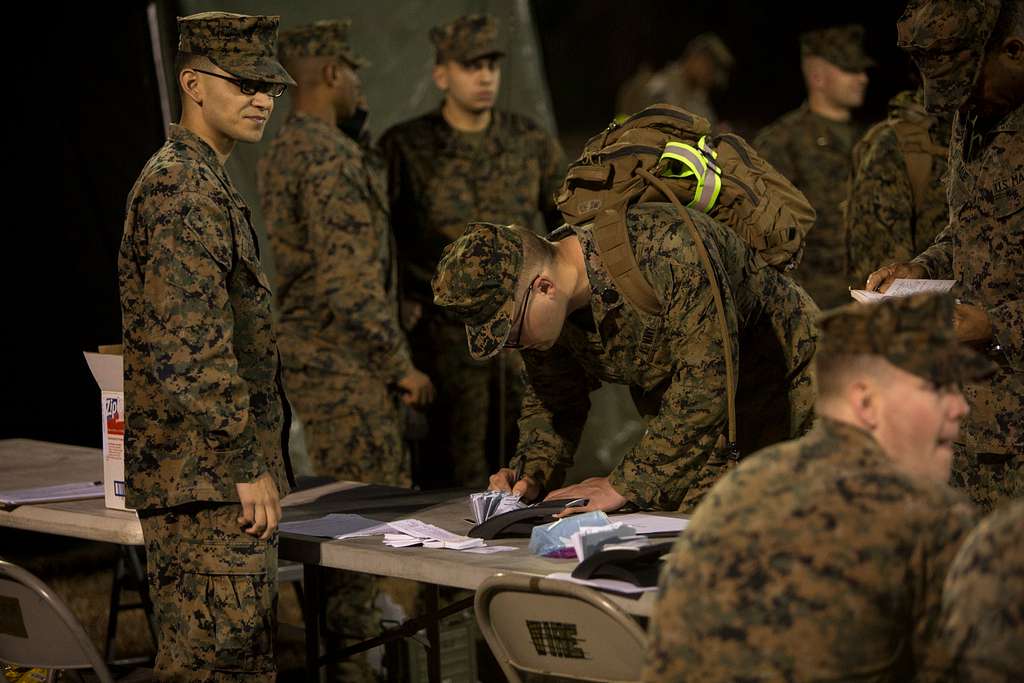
x: 903, y: 287
x: 645, y: 523
x: 52, y: 494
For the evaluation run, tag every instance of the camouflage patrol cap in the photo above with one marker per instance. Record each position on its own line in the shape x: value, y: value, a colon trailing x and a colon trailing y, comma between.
x: 839, y: 45
x: 946, y: 39
x: 326, y: 38
x: 914, y: 333
x: 244, y: 46
x: 467, y: 38
x: 476, y: 280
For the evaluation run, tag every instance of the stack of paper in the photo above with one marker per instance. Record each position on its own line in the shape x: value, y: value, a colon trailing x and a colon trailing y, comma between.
x: 409, y: 532
x: 589, y: 540
x: 490, y: 503
x: 903, y: 287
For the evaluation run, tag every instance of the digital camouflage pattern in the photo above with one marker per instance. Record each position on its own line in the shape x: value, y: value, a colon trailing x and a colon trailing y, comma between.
x: 325, y: 38
x: 241, y: 45
x: 840, y: 45
x: 440, y: 180
x: 467, y: 38
x: 983, y: 600
x: 674, y: 364
x: 476, y: 281
x: 914, y: 333
x: 815, y: 154
x: 214, y: 591
x: 946, y: 39
x: 886, y: 219
x: 982, y: 248
x: 815, y: 559
x: 205, y: 408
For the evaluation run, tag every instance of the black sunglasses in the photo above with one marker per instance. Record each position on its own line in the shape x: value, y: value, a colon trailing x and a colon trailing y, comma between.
x: 249, y: 87
x: 522, y: 317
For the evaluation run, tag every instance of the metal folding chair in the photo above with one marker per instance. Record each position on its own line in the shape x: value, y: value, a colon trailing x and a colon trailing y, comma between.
x: 38, y: 630
x: 556, y: 628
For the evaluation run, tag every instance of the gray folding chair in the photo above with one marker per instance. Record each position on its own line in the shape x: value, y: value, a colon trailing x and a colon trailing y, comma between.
x: 557, y: 628
x: 38, y: 630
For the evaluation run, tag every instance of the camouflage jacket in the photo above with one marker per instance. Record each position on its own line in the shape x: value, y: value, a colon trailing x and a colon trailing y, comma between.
x: 815, y: 154
x: 884, y: 223
x: 439, y: 180
x: 327, y: 219
x: 983, y: 599
x: 204, y: 404
x: 983, y: 249
x: 814, y: 560
x: 674, y: 364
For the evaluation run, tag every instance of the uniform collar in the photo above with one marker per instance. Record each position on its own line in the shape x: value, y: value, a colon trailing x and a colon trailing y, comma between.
x: 200, y: 150
x: 854, y: 439
x: 604, y: 297
x: 1012, y: 122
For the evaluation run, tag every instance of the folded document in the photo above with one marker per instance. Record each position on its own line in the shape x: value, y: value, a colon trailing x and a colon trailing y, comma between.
x: 492, y: 503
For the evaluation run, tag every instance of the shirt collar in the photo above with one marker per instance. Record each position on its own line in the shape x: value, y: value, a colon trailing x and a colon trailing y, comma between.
x: 201, y: 150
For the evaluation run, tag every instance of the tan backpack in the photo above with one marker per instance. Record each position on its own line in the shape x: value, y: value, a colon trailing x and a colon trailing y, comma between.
x: 664, y: 153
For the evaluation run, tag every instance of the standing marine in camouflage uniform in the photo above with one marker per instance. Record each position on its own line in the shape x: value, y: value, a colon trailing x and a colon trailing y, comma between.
x: 983, y: 600
x: 558, y: 301
x: 207, y: 420
x: 897, y: 201
x: 345, y: 354
x: 812, y: 146
x: 465, y: 161
x: 823, y: 558
x: 969, y: 56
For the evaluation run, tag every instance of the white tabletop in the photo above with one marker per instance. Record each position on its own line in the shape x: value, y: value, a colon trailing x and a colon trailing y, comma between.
x: 26, y: 463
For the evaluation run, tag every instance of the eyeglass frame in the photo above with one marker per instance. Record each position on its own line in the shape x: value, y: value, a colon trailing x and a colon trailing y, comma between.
x: 244, y: 84
x: 521, y: 319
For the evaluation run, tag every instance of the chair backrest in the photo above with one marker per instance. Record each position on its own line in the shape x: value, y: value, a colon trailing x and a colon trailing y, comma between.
x: 38, y: 630
x: 557, y: 628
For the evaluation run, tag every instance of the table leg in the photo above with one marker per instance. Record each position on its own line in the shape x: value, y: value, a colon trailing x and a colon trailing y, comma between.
x: 433, y: 637
x: 311, y: 617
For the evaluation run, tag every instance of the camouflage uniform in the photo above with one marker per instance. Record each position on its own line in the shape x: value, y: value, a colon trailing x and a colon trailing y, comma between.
x: 202, y: 379
x: 674, y: 365
x: 814, y: 153
x: 440, y: 179
x: 983, y: 600
x: 886, y: 221
x: 983, y: 245
x: 341, y: 342
x: 818, y: 559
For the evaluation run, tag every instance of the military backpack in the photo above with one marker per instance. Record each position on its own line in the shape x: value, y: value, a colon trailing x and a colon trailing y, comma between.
x: 664, y: 153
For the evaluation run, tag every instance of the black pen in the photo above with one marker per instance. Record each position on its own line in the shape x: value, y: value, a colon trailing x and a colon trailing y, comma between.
x: 520, y: 470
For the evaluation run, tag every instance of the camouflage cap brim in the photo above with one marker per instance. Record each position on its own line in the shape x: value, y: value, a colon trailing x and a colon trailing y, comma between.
x: 479, y: 53
x: 948, y: 77
x: 488, y: 339
x: 354, y: 60
x: 256, y: 68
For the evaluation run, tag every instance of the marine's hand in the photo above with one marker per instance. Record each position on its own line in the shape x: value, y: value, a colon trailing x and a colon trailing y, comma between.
x: 883, y: 277
x: 261, y: 507
x: 971, y: 323
x: 597, y: 489
x: 505, y: 480
x: 417, y: 389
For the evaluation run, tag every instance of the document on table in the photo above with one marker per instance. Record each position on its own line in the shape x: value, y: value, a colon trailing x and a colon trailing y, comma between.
x: 903, y: 287
x: 644, y: 523
x: 604, y: 584
x: 409, y: 532
x: 52, y: 494
x: 337, y: 526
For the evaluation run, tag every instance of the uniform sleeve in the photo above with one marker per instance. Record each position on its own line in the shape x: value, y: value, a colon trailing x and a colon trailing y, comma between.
x: 191, y: 340
x: 553, y: 170
x: 1008, y: 330
x: 932, y: 558
x: 555, y: 407
x: 352, y: 270
x: 938, y: 258
x: 692, y: 417
x: 880, y: 213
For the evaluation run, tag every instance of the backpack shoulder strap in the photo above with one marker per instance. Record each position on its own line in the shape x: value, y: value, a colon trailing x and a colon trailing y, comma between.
x: 919, y: 152
x: 612, y: 240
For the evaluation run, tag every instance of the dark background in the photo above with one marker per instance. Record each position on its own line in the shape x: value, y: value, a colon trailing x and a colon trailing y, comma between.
x: 110, y: 123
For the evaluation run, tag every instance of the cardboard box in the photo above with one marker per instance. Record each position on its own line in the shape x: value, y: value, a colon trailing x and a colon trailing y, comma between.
x: 107, y: 368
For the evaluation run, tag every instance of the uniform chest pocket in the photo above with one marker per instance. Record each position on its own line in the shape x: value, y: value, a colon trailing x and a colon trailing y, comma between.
x: 246, y: 248
x: 1009, y: 201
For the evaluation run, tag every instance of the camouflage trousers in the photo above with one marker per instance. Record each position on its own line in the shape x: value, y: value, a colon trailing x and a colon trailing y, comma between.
x: 467, y: 395
x: 989, y: 479
x: 214, y: 591
x: 363, y: 444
